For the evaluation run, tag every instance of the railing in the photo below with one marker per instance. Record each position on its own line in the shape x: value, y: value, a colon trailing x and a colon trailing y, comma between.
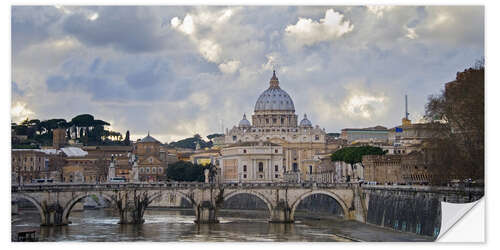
x: 201, y: 185
x: 170, y: 185
x: 418, y: 188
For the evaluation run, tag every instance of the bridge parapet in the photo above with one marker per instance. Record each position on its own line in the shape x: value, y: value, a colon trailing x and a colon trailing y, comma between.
x: 426, y: 189
x: 169, y: 185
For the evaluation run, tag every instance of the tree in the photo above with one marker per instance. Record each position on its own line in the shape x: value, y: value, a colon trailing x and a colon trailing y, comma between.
x: 127, y: 138
x: 186, y: 171
x: 191, y: 142
x: 211, y: 136
x: 353, y: 155
x: 458, y: 152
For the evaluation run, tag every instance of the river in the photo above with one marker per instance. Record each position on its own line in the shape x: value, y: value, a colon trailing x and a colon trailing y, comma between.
x: 177, y: 225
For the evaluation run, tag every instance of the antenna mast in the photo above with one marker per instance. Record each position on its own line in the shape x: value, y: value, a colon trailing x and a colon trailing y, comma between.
x: 406, y: 107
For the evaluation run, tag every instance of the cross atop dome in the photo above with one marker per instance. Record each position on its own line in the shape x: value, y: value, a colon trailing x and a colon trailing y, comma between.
x: 274, y: 80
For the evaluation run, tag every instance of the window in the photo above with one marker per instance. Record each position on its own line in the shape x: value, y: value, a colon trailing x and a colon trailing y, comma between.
x: 154, y: 170
x: 316, y: 137
x: 234, y: 137
x: 267, y: 120
x: 160, y: 170
x: 244, y: 168
x: 295, y: 168
x: 147, y: 170
x: 276, y: 151
x: 276, y: 168
x: 310, y: 169
x: 141, y: 170
x: 261, y: 167
x: 282, y: 120
x: 244, y: 176
x: 244, y: 151
x: 276, y: 176
x: 274, y: 120
x: 261, y: 176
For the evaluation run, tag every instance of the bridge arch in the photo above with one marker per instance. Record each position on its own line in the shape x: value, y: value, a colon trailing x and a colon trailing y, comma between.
x: 71, y: 203
x: 328, y: 193
x: 183, y: 195
x: 257, y: 194
x: 34, y: 202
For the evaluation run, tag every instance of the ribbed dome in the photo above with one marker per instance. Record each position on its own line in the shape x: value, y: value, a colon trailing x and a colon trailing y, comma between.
x: 274, y: 98
x: 244, y: 122
x: 305, y: 122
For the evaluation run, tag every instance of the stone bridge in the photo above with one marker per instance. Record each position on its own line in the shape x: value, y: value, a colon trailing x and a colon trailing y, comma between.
x: 55, y: 201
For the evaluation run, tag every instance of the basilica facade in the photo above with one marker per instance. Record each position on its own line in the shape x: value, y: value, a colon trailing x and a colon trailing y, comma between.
x: 274, y: 122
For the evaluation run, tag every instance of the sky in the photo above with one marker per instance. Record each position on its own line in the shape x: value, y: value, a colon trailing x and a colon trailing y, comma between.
x: 180, y: 70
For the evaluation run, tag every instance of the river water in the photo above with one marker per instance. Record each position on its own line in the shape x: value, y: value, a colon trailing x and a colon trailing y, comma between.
x: 178, y: 225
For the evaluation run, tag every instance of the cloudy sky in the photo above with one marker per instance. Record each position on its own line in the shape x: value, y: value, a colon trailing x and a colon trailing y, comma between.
x: 177, y: 71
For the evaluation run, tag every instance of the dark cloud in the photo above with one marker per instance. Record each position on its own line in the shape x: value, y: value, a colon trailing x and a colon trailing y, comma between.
x: 95, y: 65
x: 32, y: 24
x: 100, y: 88
x: 126, y: 28
x: 16, y: 90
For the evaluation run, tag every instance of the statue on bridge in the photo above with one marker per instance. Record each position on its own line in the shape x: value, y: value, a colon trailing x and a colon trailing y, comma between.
x: 111, y: 169
x: 134, y: 176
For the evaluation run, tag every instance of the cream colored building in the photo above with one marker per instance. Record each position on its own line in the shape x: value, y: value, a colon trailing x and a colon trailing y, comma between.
x: 274, y: 120
x: 252, y: 162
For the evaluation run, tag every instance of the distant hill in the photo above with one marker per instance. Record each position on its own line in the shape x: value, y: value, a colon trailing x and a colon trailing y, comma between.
x: 191, y: 143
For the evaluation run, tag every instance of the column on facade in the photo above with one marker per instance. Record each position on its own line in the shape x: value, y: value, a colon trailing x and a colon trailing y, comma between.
x: 268, y: 163
x: 254, y: 169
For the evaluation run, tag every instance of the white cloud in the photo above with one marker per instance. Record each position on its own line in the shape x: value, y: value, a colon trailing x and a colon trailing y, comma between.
x: 308, y: 32
x: 19, y: 112
x: 229, y: 67
x: 379, y: 10
x: 210, y: 50
x: 411, y: 34
x: 208, y: 22
x: 186, y: 26
x: 363, y: 106
x: 93, y: 16
x: 273, y: 60
x: 361, y: 103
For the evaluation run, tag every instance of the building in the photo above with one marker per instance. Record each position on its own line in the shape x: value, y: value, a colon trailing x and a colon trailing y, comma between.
x: 80, y: 167
x: 83, y: 169
x: 121, y: 155
x: 412, y: 134
x: 414, y: 169
x: 252, y: 162
x: 204, y: 157
x: 151, y: 159
x: 274, y: 120
x: 383, y: 169
x: 408, y: 169
x: 371, y: 134
x: 28, y: 164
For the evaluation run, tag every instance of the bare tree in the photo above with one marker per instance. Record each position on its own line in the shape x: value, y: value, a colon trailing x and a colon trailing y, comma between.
x: 458, y: 151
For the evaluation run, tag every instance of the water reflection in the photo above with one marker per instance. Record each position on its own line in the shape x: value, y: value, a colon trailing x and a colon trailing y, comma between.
x: 169, y: 225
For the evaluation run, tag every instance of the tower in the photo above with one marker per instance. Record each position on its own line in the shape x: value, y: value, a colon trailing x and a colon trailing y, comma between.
x: 58, y: 137
x: 406, y: 121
